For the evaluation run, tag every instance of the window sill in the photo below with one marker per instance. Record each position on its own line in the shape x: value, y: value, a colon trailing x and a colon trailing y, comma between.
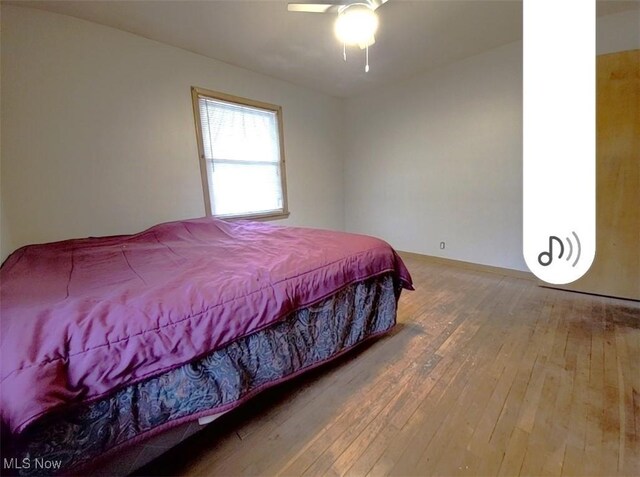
x: 264, y: 216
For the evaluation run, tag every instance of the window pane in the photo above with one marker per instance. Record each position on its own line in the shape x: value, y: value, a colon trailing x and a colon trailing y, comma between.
x: 240, y: 133
x: 244, y: 188
x: 242, y: 153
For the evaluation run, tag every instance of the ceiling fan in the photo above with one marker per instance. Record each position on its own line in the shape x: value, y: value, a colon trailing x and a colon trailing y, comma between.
x: 356, y: 24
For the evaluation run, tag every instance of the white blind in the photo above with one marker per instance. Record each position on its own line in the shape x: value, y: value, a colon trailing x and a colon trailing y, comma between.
x: 242, y: 151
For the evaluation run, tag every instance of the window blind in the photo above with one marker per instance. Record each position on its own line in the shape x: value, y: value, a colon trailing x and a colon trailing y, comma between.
x: 241, y: 146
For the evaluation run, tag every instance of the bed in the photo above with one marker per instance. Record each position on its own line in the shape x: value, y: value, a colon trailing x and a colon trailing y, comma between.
x: 107, y: 342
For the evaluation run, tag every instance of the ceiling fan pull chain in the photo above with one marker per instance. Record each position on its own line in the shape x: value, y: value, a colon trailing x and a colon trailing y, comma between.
x: 344, y: 51
x: 366, y: 66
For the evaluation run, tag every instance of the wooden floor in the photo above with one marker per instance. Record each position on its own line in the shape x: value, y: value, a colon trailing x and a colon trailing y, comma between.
x: 484, y: 375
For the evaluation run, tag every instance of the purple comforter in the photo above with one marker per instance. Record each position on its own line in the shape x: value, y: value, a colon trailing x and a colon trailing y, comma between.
x: 81, y: 318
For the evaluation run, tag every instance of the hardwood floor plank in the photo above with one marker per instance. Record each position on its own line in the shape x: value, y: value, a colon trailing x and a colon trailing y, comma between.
x: 484, y: 375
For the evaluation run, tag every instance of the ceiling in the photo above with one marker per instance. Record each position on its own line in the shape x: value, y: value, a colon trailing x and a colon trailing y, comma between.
x: 263, y: 36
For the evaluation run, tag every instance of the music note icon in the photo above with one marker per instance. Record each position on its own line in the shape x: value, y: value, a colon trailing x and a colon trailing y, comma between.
x: 545, y: 258
x: 549, y: 254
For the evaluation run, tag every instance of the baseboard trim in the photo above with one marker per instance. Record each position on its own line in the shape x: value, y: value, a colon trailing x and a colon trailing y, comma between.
x: 507, y: 272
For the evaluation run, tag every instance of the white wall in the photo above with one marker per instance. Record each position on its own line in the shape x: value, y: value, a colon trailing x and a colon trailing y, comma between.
x: 439, y: 158
x: 618, y: 32
x: 98, y: 138
x: 98, y: 132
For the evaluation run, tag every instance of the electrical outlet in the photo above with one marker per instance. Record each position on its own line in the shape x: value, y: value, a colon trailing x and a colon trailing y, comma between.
x: 442, y: 245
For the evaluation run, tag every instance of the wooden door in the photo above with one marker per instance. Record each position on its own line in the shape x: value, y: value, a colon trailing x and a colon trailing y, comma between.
x: 616, y: 268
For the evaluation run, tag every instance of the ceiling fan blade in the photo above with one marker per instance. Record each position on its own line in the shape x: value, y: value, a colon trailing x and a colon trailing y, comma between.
x: 377, y: 3
x: 330, y: 7
x: 313, y: 7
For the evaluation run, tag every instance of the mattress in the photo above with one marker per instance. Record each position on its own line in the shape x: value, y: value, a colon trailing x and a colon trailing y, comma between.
x: 214, y: 383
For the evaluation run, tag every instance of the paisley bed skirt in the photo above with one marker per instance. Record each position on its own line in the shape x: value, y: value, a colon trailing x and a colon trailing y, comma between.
x: 67, y: 440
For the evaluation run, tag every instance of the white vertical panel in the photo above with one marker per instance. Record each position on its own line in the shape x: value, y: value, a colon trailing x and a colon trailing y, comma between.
x: 559, y: 138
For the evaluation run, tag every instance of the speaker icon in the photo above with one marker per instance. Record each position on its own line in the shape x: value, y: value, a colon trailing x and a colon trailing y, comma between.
x: 546, y: 258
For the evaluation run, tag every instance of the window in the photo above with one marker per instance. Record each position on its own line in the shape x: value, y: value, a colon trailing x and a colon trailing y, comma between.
x: 241, y: 156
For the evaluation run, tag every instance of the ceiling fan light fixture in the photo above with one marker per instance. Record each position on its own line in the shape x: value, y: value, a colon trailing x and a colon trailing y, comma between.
x: 356, y: 25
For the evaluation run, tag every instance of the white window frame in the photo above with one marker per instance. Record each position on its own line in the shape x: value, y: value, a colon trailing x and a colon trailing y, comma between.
x: 196, y: 94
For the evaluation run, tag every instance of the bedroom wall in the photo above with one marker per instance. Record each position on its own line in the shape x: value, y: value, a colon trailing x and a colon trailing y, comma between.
x: 434, y: 158
x: 439, y: 158
x: 6, y: 243
x: 5, y: 236
x: 98, y: 133
x: 618, y: 32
